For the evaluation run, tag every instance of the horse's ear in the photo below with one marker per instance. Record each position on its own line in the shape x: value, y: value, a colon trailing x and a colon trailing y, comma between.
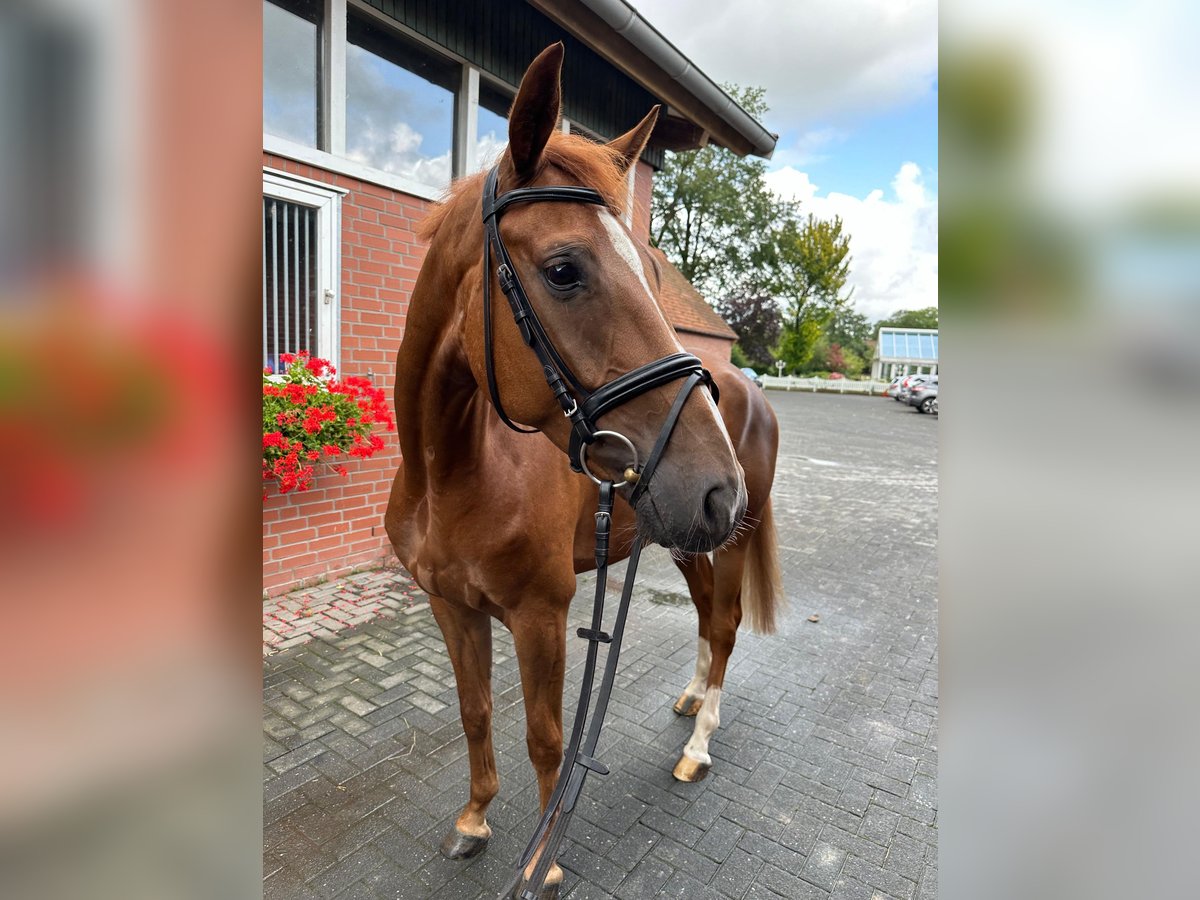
x: 630, y: 145
x: 534, y: 114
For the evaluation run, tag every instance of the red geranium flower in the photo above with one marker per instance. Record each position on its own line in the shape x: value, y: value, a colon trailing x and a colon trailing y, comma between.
x: 308, y: 416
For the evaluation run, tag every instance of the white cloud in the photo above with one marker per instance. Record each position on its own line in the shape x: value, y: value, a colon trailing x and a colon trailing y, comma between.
x: 395, y: 121
x: 820, y: 62
x: 893, y: 240
x: 811, y: 147
x: 396, y: 148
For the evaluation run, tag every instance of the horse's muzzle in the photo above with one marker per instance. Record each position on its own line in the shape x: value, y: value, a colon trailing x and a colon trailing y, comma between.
x: 685, y: 511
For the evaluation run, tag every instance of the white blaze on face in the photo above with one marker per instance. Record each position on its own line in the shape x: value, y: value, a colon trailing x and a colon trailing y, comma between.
x: 699, y: 683
x: 707, y: 721
x: 626, y: 249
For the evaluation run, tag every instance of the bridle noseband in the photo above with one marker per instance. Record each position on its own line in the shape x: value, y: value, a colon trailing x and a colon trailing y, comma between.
x: 583, y: 407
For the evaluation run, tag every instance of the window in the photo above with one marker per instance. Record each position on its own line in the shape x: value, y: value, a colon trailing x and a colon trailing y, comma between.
x: 492, y: 128
x: 300, y: 270
x: 291, y: 53
x: 399, y: 104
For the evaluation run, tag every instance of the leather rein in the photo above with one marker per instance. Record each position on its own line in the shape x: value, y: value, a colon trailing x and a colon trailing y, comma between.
x: 583, y: 408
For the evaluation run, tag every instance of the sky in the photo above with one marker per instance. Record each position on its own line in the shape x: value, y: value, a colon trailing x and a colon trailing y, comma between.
x: 852, y: 86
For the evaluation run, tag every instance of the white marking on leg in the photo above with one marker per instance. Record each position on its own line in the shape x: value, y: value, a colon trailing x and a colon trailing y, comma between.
x: 696, y: 687
x: 707, y: 721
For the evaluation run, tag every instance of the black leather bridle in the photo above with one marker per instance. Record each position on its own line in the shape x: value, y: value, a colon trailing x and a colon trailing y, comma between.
x: 583, y: 407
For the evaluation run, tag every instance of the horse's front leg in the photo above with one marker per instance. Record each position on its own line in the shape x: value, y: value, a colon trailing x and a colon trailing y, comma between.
x: 698, y: 572
x: 468, y: 635
x: 540, y: 638
x: 723, y: 621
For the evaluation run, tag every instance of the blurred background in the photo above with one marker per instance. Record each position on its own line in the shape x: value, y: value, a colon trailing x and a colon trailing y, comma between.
x: 1070, y: 296
x: 130, y: 186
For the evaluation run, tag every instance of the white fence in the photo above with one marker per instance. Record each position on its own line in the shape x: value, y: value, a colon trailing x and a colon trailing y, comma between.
x: 832, y: 385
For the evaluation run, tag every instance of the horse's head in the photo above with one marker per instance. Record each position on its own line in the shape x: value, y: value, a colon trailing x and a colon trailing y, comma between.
x: 594, y: 288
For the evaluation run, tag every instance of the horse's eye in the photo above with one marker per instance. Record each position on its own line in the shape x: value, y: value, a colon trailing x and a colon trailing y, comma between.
x: 562, y: 274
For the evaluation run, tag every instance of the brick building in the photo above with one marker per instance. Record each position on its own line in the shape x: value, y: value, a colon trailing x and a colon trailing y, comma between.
x: 369, y: 110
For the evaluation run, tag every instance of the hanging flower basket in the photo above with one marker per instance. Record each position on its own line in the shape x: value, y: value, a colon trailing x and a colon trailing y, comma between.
x: 311, y: 418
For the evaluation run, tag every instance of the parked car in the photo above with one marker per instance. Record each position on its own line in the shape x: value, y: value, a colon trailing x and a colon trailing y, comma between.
x: 925, y: 396
x: 893, y: 388
x: 752, y: 375
x: 908, y: 384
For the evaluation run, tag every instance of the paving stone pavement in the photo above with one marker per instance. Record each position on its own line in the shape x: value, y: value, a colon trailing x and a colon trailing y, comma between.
x: 324, y: 609
x: 824, y: 767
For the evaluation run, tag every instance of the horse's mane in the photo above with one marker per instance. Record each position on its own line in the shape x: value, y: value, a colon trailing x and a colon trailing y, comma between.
x: 588, y: 163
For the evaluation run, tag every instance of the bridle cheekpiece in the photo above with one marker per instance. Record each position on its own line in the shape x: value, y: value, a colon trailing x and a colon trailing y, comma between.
x: 581, y: 406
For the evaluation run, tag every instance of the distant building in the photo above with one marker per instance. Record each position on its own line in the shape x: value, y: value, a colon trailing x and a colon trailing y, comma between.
x: 903, y: 351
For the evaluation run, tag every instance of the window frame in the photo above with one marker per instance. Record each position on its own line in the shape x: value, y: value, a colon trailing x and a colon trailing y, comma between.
x: 327, y: 201
x: 322, y: 61
x: 459, y: 88
x: 331, y: 102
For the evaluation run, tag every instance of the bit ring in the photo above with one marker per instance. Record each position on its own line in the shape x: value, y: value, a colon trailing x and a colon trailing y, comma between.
x: 625, y: 482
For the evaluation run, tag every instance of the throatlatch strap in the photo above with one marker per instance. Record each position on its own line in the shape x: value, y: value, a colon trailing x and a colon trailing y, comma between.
x: 488, y: 364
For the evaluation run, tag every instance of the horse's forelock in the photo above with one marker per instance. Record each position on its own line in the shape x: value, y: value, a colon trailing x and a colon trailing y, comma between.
x: 587, y: 163
x: 590, y: 165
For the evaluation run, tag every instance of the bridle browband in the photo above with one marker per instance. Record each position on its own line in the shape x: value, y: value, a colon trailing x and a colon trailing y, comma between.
x: 583, y: 407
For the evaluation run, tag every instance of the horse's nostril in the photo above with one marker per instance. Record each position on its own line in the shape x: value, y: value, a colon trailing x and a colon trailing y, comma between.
x: 712, y: 504
x: 720, y: 507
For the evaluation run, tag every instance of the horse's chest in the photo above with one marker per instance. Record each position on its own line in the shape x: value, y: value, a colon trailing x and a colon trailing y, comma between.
x: 462, y: 552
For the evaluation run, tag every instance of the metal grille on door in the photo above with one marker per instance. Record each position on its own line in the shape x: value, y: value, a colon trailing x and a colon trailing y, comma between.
x: 289, y: 280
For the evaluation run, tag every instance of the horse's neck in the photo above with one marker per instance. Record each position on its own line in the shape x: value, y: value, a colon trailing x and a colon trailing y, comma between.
x: 437, y: 399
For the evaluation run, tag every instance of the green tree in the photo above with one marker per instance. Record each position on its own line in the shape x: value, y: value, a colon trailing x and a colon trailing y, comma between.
x: 799, y: 343
x: 910, y: 318
x: 738, y: 357
x: 807, y: 265
x: 854, y: 364
x: 711, y: 210
x: 851, y: 329
x: 718, y: 222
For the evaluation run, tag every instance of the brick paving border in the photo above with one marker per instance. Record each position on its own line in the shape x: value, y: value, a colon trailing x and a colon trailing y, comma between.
x: 323, y: 610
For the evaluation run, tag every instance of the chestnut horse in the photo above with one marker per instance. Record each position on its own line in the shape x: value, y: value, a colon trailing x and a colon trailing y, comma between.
x: 493, y: 524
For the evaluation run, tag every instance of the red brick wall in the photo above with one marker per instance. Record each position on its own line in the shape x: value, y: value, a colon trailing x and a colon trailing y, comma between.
x: 337, y: 525
x: 705, y: 344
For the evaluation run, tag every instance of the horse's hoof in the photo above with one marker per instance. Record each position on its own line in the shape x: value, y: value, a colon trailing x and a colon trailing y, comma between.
x: 687, y: 705
x: 548, y: 891
x: 457, y: 845
x: 689, y: 771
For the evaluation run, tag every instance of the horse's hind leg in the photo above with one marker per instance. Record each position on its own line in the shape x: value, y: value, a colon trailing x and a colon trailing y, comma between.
x: 468, y: 635
x: 724, y: 616
x: 698, y: 572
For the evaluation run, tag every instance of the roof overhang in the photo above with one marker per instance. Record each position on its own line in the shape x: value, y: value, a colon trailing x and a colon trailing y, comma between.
x: 698, y: 111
